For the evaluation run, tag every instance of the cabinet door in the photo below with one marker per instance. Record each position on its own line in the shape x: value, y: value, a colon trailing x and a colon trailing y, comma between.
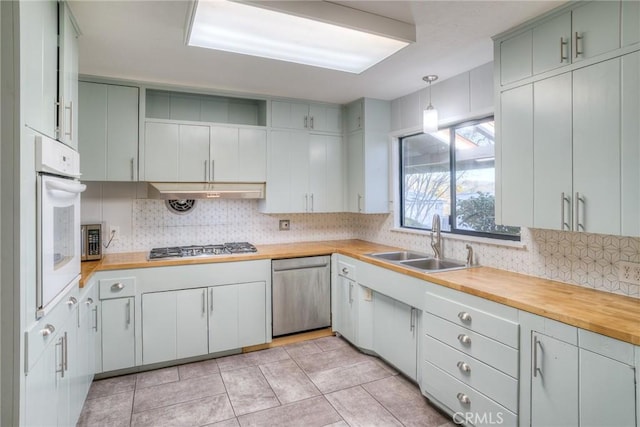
x: 597, y: 23
x: 223, y: 318
x: 355, y: 116
x: 596, y: 148
x: 325, y: 118
x: 516, y: 154
x: 39, y: 65
x: 289, y: 115
x: 191, y: 323
x: 118, y: 334
x: 325, y: 173
x: 92, y: 99
x: 159, y: 327
x: 395, y: 334
x: 224, y: 154
x: 515, y: 58
x: 41, y: 406
x: 630, y: 22
x: 252, y: 155
x: 287, y: 173
x: 122, y: 133
x: 161, y: 152
x: 552, y: 171
x: 347, y: 309
x: 355, y: 172
x: 630, y: 144
x: 554, y: 383
x: 68, y: 77
x: 552, y: 44
x: 607, y: 391
x: 193, y: 154
x: 252, y: 325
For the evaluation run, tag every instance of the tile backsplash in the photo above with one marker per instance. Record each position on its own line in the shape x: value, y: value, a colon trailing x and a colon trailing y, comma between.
x: 589, y: 260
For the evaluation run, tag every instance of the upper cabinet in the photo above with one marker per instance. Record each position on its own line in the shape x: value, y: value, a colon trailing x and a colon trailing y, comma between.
x: 49, y: 67
x: 630, y: 22
x: 586, y: 31
x: 302, y: 116
x: 568, y: 138
x: 108, y: 132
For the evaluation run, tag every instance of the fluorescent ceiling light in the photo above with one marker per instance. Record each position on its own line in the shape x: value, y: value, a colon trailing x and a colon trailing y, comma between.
x: 243, y: 28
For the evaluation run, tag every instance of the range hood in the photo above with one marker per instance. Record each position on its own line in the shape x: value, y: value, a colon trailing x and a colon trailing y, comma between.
x: 205, y: 190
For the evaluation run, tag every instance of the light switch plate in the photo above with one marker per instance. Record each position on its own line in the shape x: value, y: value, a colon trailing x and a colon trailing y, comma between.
x: 629, y: 272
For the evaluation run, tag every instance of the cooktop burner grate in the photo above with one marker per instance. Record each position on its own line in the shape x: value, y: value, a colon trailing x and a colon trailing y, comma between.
x: 201, y: 250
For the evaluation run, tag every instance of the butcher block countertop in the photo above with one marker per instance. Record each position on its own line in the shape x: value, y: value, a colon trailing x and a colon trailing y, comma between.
x: 605, y: 313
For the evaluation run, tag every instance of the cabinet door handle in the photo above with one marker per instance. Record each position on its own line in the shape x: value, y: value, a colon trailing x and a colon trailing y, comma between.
x: 213, y: 170
x: 564, y: 225
x: 464, y: 316
x: 577, y: 51
x: 89, y: 301
x: 464, y: 339
x: 350, y: 292
x: 412, y: 323
x: 312, y: 123
x: 311, y: 202
x: 359, y: 202
x: 60, y: 367
x: 47, y: 330
x: 211, y: 300
x: 306, y: 203
x: 128, y: 319
x: 95, y: 318
x: 463, y: 398
x: 72, y: 301
x: 536, y: 344
x: 306, y: 121
x: 132, y: 169
x: 206, y: 164
x: 70, y: 108
x: 359, y: 122
x: 464, y: 367
x: 563, y: 43
x: 60, y: 128
x: 579, y: 199
x: 204, y: 305
x: 345, y: 270
x: 117, y: 287
x: 66, y: 352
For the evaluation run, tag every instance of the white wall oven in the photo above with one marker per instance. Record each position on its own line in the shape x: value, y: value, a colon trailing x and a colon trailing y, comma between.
x: 58, y: 221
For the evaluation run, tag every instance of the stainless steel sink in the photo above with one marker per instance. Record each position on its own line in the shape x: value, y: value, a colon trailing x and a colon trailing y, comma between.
x: 399, y: 255
x: 419, y: 261
x: 432, y: 264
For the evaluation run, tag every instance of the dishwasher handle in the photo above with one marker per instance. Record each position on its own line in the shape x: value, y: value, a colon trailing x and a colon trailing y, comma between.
x: 302, y: 267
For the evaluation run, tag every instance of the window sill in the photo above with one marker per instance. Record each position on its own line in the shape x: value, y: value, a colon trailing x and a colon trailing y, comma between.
x: 463, y: 237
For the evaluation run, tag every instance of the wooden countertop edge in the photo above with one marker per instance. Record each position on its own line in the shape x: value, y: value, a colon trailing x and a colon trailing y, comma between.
x: 557, y: 309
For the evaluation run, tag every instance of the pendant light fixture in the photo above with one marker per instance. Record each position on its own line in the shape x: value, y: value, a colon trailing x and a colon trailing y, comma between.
x: 430, y: 114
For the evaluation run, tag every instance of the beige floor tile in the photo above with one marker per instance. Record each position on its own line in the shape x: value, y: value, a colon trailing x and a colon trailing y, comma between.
x: 109, y: 386
x: 288, y: 381
x: 302, y: 348
x: 156, y: 377
x: 198, y: 412
x: 198, y: 369
x: 177, y: 392
x: 308, y: 413
x: 113, y: 410
x: 348, y: 376
x: 325, y: 360
x: 358, y: 408
x: 248, y: 390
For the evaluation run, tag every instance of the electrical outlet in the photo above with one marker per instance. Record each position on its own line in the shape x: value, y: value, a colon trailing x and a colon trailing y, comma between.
x: 285, y: 225
x: 114, y: 232
x: 629, y: 272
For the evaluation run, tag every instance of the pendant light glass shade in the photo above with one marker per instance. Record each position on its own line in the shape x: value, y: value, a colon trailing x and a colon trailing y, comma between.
x: 430, y: 114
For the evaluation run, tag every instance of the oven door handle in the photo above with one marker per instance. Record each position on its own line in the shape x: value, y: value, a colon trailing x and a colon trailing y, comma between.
x: 71, y: 187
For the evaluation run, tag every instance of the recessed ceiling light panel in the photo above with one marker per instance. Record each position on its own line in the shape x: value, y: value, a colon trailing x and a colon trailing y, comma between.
x: 246, y: 29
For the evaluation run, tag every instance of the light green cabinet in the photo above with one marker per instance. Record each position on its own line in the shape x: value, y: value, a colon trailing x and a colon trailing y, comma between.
x: 311, y: 117
x: 596, y: 28
x: 237, y: 316
x: 630, y: 144
x: 325, y: 173
x: 118, y: 334
x: 108, y: 132
x: 345, y: 321
x: 395, y: 333
x: 551, y: 44
x: 174, y: 325
x: 238, y: 154
x: 630, y: 22
x: 68, y: 77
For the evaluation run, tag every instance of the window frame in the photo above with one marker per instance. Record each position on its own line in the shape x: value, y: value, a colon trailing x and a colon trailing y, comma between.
x: 452, y: 181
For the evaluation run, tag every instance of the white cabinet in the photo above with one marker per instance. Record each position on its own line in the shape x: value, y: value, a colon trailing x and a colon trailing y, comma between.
x: 596, y: 28
x: 302, y: 116
x: 39, y: 65
x: 237, y: 316
x: 108, y: 132
x: 176, y: 152
x: 68, y: 77
x: 367, y: 158
x: 87, y: 337
x: 345, y: 319
x: 117, y: 309
x: 552, y: 46
x: 630, y: 139
x: 304, y: 174
x: 174, y: 325
x: 395, y: 333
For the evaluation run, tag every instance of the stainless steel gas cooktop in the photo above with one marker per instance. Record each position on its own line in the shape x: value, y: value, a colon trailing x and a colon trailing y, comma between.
x: 201, y: 250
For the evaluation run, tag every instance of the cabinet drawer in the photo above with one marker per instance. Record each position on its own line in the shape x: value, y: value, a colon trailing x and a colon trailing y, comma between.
x: 117, y: 288
x: 498, y: 386
x: 347, y: 270
x: 479, y: 409
x: 489, y: 351
x: 498, y: 328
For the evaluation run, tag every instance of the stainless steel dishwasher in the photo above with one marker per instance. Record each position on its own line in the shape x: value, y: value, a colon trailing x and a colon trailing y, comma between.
x: 301, y: 294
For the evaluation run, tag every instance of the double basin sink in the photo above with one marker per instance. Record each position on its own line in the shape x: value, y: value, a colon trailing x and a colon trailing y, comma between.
x: 419, y: 261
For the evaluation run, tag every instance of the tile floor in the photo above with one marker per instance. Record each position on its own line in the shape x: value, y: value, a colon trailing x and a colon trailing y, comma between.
x: 322, y: 382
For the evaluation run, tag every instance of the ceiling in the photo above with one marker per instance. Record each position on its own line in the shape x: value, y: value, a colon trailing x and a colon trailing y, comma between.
x: 145, y: 40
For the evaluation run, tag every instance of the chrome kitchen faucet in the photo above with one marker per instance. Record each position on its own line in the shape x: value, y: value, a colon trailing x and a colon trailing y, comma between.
x: 437, y: 245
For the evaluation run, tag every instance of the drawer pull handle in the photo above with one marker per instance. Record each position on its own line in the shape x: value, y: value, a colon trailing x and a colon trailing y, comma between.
x: 117, y: 286
x: 72, y: 301
x: 464, y: 367
x: 464, y: 316
x: 47, y: 330
x: 463, y: 398
x: 345, y: 270
x: 89, y: 301
x: 464, y: 339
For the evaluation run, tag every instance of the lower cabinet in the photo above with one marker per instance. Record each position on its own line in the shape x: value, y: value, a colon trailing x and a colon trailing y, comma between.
x: 118, y: 334
x: 237, y: 316
x: 395, y: 333
x: 346, y: 318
